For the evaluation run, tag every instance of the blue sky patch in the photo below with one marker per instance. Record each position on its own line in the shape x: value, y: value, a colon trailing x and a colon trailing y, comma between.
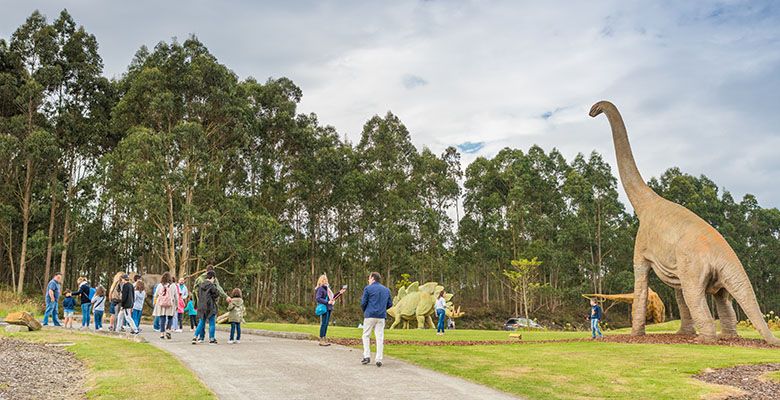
x: 471, y: 147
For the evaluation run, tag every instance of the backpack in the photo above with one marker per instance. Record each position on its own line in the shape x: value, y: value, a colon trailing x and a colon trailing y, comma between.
x: 91, y: 293
x: 116, y: 294
x: 164, y: 298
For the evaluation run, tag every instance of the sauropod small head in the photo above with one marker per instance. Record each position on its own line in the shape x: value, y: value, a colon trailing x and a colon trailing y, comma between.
x: 596, y: 109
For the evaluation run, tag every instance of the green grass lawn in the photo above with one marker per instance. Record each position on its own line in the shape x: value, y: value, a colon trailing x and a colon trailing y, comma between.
x: 583, y: 370
x: 466, y: 334
x: 121, y: 369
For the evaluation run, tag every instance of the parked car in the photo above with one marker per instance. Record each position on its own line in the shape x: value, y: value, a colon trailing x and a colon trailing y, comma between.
x: 513, y: 324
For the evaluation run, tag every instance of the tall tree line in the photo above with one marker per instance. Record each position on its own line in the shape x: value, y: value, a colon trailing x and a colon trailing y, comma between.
x: 179, y: 164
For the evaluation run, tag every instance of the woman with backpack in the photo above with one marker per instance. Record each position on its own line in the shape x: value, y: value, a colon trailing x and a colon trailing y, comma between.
x: 166, y: 303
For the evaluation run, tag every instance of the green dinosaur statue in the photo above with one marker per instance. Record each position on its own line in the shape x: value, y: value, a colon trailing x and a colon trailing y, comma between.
x: 416, y: 302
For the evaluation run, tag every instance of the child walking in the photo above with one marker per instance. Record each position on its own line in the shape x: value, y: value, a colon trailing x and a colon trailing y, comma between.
x: 138, y: 302
x: 98, y: 306
x: 69, y: 305
x: 193, y: 313
x: 236, y: 309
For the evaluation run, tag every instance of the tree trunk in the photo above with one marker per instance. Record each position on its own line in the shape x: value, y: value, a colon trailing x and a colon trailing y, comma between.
x: 186, y: 233
x: 50, y: 239
x: 65, y: 239
x: 171, y: 241
x: 11, y: 257
x: 25, y: 225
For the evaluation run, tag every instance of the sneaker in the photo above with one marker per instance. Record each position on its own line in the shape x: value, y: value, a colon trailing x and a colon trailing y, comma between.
x: 212, y: 341
x: 230, y: 342
x: 178, y: 330
x: 365, y: 361
x: 168, y: 335
x: 378, y: 364
x: 194, y: 341
x: 156, y: 329
x: 237, y: 342
x: 200, y: 340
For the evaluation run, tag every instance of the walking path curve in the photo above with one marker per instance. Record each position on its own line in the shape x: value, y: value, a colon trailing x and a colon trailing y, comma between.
x: 272, y: 368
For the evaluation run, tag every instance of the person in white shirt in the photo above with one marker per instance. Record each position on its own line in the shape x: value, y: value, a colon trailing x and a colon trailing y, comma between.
x: 441, y: 312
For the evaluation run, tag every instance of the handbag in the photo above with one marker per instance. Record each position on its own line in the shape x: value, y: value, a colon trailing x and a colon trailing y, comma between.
x: 321, y: 309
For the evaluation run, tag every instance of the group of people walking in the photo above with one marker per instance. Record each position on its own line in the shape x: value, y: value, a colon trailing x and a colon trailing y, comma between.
x: 171, y: 300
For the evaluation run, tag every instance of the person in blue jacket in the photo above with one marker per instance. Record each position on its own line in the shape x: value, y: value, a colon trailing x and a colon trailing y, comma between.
x: 595, y: 317
x: 375, y: 302
x: 324, y: 295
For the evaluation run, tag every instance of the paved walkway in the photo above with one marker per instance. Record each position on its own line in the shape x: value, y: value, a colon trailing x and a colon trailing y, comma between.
x: 272, y: 368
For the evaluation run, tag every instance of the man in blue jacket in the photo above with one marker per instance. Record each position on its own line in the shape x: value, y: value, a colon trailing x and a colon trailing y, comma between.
x: 375, y: 302
x: 595, y: 317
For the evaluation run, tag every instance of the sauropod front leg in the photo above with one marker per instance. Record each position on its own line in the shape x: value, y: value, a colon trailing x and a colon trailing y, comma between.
x: 686, y: 322
x: 639, y: 317
x: 696, y: 298
x: 726, y: 314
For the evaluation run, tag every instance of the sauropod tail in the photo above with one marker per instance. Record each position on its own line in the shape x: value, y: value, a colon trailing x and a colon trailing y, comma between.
x: 738, y: 285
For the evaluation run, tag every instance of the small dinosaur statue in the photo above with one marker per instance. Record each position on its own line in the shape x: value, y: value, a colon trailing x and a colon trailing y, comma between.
x: 416, y: 302
x: 655, y: 306
x: 684, y: 251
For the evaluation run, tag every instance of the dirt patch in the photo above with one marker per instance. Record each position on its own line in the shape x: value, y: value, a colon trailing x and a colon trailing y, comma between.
x: 36, y: 371
x: 669, y: 338
x: 747, y: 378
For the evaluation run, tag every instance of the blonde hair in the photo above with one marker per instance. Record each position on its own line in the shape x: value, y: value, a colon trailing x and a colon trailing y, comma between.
x: 322, y: 280
x: 81, y: 279
x: 117, y: 278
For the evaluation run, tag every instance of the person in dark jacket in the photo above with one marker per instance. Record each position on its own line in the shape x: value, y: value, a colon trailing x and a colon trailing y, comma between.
x: 375, y: 302
x: 125, y: 306
x: 208, y: 294
x: 595, y: 317
x: 86, y: 302
x: 324, y: 295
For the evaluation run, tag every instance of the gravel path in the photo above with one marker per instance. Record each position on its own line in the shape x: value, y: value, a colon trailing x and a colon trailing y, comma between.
x: 272, y: 368
x: 748, y: 378
x: 22, y: 377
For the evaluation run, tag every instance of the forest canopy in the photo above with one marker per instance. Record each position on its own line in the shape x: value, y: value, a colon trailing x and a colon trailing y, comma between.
x: 179, y: 164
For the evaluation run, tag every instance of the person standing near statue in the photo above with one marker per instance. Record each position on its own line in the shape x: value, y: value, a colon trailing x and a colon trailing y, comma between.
x: 375, y: 302
x: 325, y: 298
x: 441, y: 312
x: 595, y: 316
x: 52, y: 297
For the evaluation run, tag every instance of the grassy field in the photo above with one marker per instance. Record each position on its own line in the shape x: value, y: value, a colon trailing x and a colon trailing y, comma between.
x: 121, y: 369
x: 467, y: 334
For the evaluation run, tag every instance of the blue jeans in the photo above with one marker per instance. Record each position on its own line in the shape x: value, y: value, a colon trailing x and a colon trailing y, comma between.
x: 200, y: 332
x: 85, y: 315
x: 51, y: 309
x: 235, y: 327
x: 156, y: 323
x: 325, y: 320
x: 594, y: 327
x: 440, y: 326
x: 137, y: 317
x: 98, y: 319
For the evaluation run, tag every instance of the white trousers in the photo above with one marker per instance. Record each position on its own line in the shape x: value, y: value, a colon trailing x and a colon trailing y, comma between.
x: 378, y: 326
x: 121, y: 316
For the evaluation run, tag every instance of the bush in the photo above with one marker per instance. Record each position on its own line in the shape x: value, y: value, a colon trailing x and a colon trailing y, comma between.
x: 11, y: 302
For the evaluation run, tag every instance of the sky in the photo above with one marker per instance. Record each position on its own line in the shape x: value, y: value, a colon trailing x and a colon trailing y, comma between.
x: 698, y: 83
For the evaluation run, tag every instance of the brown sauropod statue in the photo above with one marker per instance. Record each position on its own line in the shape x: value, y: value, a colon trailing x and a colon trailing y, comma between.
x: 684, y: 251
